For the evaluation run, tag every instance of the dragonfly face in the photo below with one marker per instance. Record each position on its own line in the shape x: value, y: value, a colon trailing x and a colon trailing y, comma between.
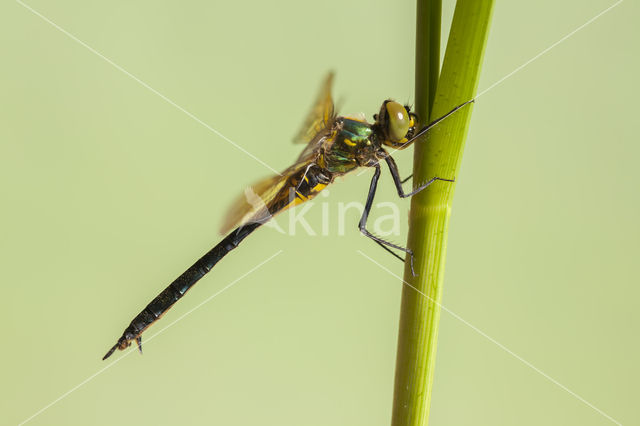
x: 396, y: 123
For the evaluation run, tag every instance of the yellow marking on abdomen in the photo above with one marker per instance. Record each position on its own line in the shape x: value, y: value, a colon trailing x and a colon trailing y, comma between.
x: 301, y: 198
x: 319, y: 187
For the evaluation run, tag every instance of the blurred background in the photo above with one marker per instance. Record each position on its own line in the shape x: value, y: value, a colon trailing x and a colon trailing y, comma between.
x: 109, y: 192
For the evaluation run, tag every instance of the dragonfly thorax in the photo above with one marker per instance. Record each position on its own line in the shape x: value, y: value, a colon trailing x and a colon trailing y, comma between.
x: 351, y: 144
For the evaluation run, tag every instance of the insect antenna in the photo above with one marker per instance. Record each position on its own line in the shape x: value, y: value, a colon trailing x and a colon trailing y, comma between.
x: 435, y: 122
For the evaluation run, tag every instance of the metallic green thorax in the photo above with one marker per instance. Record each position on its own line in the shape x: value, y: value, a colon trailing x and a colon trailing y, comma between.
x: 351, y: 141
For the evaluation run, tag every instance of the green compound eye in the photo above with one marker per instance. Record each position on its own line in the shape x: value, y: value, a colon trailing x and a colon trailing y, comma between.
x: 399, y: 121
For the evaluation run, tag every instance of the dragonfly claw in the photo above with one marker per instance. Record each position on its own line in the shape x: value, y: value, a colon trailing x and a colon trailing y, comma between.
x: 111, y: 351
x: 413, y: 272
x: 123, y: 343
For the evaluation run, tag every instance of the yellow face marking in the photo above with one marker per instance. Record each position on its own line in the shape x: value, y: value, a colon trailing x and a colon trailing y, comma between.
x: 349, y: 142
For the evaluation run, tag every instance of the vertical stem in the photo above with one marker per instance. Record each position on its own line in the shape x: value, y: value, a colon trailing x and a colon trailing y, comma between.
x: 428, y: 28
x: 439, y: 154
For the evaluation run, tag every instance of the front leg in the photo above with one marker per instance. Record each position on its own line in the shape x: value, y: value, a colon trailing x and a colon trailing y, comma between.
x: 393, y: 168
x: 365, y: 215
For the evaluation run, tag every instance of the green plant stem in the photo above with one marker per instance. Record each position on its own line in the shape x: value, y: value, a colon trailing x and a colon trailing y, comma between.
x: 428, y: 29
x: 438, y: 154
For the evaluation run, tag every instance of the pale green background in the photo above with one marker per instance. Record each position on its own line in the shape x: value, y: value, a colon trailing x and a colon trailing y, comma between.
x: 109, y: 192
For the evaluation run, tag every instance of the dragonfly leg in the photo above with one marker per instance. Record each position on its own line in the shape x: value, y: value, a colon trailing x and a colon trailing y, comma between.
x: 407, y: 178
x: 363, y: 222
x: 393, y: 168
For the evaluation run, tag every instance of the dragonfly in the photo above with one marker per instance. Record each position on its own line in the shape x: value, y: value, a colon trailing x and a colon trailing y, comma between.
x: 335, y: 145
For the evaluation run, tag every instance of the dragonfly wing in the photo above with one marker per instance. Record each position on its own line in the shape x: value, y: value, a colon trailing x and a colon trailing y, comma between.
x: 321, y: 115
x: 258, y: 203
x: 254, y: 201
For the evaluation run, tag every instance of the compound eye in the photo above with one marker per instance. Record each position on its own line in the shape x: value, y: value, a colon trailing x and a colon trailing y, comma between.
x: 399, y: 121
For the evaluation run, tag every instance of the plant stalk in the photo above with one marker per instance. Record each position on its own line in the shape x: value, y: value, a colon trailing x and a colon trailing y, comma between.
x: 439, y: 154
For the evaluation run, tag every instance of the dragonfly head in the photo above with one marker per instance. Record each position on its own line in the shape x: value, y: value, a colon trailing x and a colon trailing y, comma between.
x: 397, y: 123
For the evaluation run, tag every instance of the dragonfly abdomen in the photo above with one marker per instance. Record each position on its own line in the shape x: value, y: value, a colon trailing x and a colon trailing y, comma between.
x: 174, y: 291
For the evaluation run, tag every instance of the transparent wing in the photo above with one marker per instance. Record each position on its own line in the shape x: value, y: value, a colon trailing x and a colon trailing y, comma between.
x: 253, y: 202
x: 257, y: 201
x: 256, y: 204
x: 321, y: 115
